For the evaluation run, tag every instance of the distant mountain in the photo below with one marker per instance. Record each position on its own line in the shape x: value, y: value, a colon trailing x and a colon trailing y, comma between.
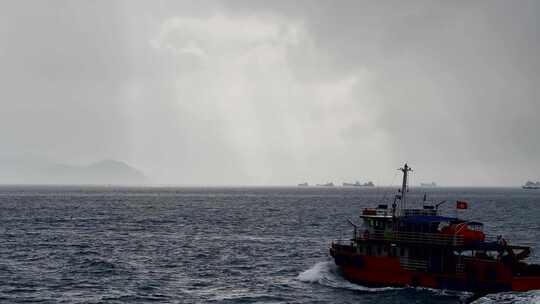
x: 101, y: 173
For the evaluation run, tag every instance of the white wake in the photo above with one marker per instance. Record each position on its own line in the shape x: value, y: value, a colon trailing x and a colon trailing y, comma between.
x: 327, y: 274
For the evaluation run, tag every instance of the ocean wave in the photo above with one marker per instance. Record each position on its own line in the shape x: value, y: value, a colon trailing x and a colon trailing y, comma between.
x: 463, y: 296
x: 530, y: 297
x: 95, y: 266
x: 327, y: 274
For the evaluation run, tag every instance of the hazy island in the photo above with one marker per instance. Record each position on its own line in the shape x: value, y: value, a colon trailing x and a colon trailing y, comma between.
x: 105, y: 172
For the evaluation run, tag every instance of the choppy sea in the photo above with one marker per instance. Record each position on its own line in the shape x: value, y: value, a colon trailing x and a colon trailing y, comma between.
x: 221, y: 245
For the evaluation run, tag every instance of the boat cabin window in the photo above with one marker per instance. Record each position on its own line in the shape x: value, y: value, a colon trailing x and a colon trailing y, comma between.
x: 466, y: 253
x: 493, y: 254
x: 481, y: 254
x: 420, y: 227
x: 375, y: 224
x: 475, y: 226
x: 370, y: 223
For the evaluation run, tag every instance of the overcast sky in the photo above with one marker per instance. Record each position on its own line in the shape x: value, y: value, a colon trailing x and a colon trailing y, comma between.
x: 276, y: 92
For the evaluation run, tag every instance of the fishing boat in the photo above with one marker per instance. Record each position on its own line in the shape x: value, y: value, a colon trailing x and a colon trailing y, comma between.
x: 402, y: 246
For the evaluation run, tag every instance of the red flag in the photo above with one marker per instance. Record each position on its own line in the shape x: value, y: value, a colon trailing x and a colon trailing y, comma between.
x: 461, y: 205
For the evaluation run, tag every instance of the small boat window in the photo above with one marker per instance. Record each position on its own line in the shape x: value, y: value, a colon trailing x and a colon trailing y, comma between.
x: 493, y: 254
x: 481, y: 254
x: 467, y: 253
x: 379, y: 225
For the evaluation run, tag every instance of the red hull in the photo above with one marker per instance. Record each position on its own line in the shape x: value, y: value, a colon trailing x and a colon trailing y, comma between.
x: 387, y: 271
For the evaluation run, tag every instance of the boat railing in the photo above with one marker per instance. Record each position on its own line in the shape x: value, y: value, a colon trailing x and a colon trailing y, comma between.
x: 343, y: 245
x: 413, y: 264
x: 423, y: 265
x: 341, y: 242
x: 414, y: 237
x: 376, y: 212
x: 417, y: 212
x: 437, y: 239
x: 492, y: 238
x: 489, y: 238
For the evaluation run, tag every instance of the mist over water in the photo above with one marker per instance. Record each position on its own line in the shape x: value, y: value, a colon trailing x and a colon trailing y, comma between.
x: 226, y: 245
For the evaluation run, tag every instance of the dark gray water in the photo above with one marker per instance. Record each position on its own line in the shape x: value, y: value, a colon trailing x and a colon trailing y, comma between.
x: 231, y: 245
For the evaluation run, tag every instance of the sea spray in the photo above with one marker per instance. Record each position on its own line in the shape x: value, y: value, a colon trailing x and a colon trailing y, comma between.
x: 327, y: 274
x: 315, y: 273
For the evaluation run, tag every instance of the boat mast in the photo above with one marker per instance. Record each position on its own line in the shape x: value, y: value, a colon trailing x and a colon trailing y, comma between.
x: 405, y: 171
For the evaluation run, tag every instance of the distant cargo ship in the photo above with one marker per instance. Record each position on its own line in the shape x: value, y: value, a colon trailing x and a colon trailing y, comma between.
x: 428, y: 185
x: 329, y: 184
x: 531, y: 185
x: 358, y: 184
x: 303, y: 184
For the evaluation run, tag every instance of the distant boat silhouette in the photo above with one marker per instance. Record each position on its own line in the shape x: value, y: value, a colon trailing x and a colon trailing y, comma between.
x: 303, y: 185
x: 428, y: 185
x: 329, y: 184
x: 531, y: 185
x: 358, y: 184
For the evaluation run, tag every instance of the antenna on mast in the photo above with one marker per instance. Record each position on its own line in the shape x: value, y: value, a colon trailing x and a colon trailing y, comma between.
x: 406, y: 169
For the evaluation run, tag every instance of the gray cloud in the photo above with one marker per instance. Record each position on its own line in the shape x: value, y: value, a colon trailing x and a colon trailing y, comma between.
x: 275, y: 93
x: 62, y: 66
